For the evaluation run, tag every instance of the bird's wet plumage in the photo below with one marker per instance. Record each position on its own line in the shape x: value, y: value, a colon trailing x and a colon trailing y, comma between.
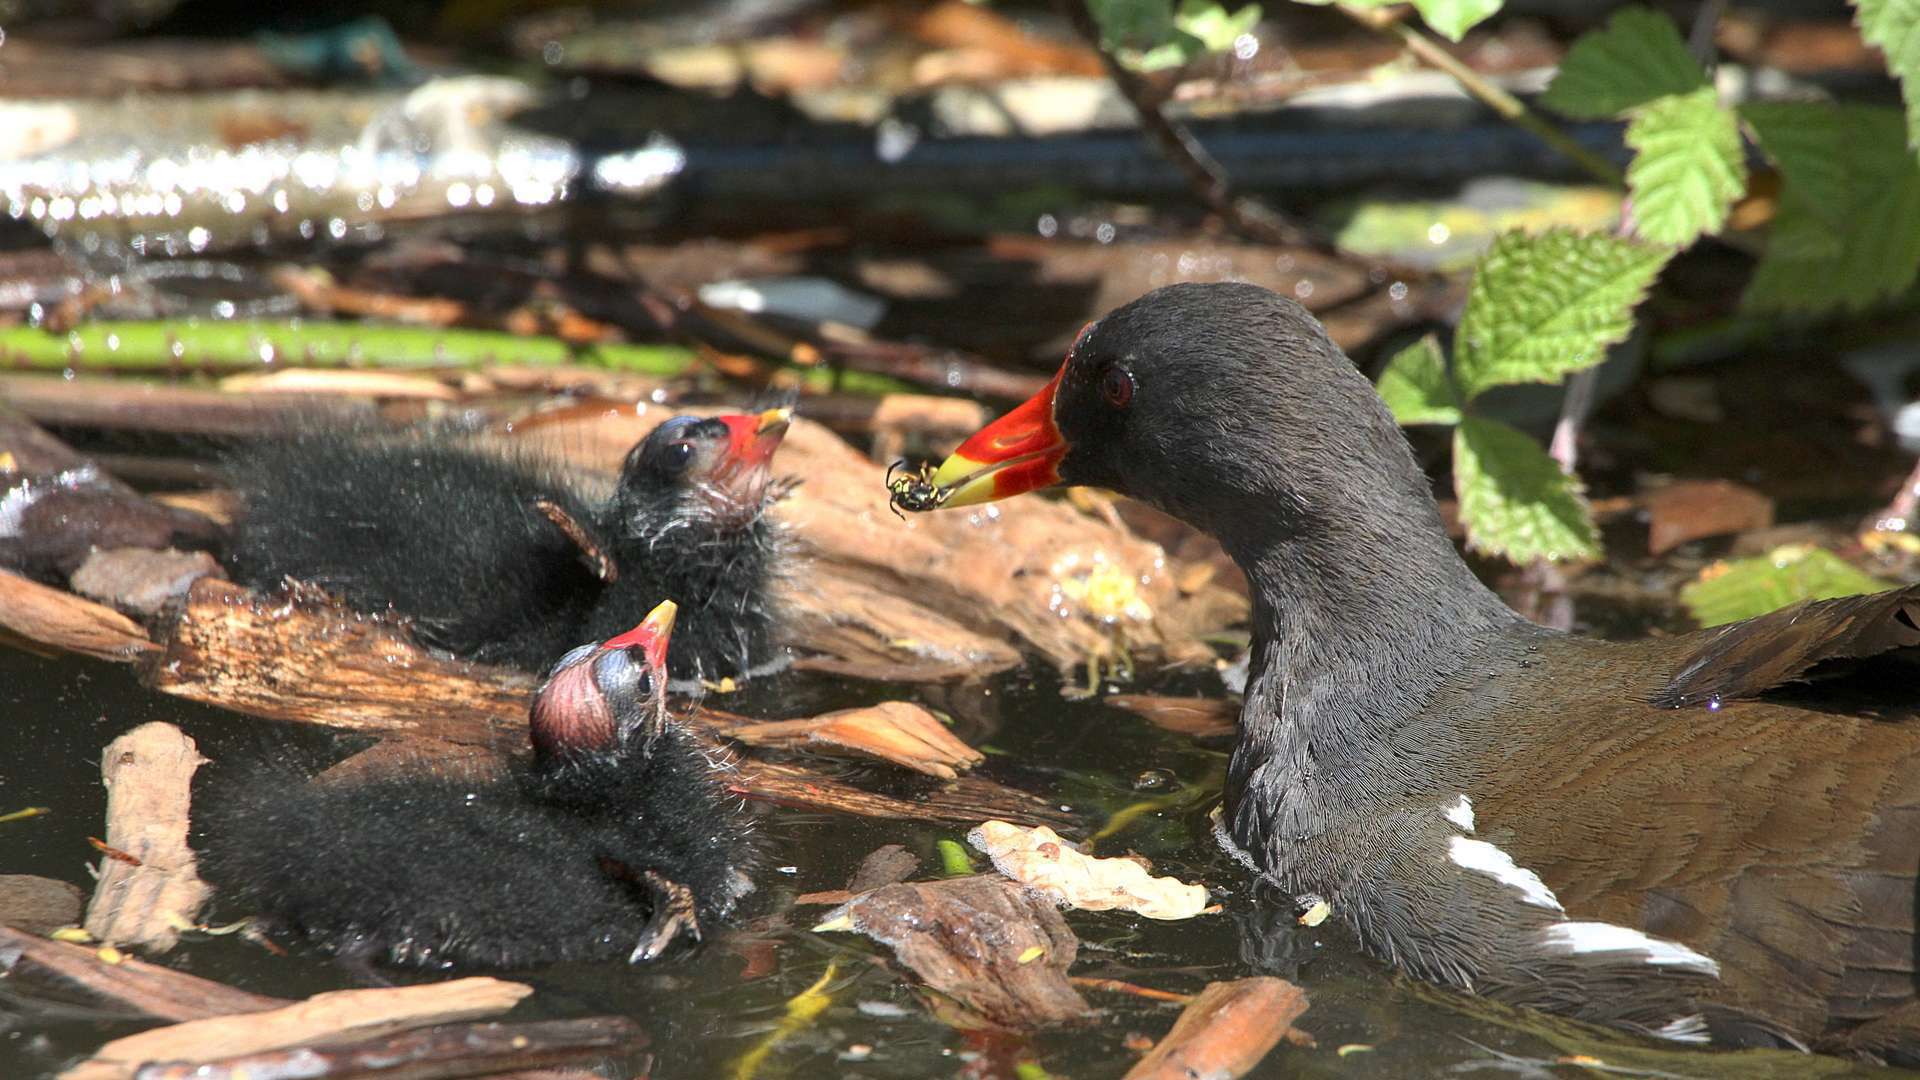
x: 1676, y: 836
x: 504, y: 558
x: 579, y: 852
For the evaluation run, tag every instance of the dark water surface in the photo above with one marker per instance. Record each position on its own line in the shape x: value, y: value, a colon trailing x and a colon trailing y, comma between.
x: 705, y: 1016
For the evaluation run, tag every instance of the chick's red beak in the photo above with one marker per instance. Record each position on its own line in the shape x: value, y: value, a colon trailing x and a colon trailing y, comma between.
x: 650, y: 637
x: 1017, y: 453
x: 751, y: 440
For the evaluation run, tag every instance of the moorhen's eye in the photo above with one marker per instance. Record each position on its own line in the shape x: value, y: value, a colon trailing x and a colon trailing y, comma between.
x: 1117, y: 386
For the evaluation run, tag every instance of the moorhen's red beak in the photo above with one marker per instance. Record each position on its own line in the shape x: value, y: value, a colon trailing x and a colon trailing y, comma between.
x: 650, y: 637
x: 1019, y: 452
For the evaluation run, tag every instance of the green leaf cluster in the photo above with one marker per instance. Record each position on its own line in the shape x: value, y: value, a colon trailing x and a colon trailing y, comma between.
x: 1786, y: 575
x: 1893, y: 26
x: 1540, y: 307
x: 1689, y: 164
x: 1149, y: 35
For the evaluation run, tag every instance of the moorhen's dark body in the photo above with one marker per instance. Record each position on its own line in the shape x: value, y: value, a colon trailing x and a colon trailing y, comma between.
x: 616, y: 836
x: 1677, y: 836
x: 504, y: 559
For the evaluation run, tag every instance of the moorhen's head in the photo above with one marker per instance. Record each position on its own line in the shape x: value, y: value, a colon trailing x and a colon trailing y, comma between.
x: 717, y: 469
x: 1223, y: 404
x: 601, y: 697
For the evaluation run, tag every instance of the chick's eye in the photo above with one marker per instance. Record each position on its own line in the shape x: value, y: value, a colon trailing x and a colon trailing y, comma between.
x: 1117, y: 387
x: 677, y: 455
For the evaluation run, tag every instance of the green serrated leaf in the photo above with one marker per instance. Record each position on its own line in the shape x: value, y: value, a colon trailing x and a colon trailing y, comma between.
x: 1213, y: 25
x: 1515, y: 500
x: 1453, y: 18
x: 1688, y: 166
x: 1893, y: 26
x: 1416, y: 387
x: 1133, y: 24
x: 1544, y: 305
x: 1637, y: 57
x: 1847, y: 232
x: 1729, y: 592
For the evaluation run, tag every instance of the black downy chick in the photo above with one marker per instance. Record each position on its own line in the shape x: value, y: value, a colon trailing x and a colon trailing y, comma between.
x: 504, y: 560
x: 617, y: 838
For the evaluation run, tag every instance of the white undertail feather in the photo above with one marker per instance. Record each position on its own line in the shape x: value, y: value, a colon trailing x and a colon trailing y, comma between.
x: 1461, y: 813
x: 1598, y: 937
x: 1489, y: 860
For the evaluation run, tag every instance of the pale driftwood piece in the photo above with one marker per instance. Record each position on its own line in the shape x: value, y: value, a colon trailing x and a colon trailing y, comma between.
x: 38, y: 905
x: 992, y: 571
x: 141, y: 580
x: 334, y: 382
x: 896, y: 731
x: 994, y: 947
x: 148, y: 773
x: 1226, y: 1030
x: 119, y: 405
x: 129, y: 983
x: 846, y: 626
x: 67, y: 622
x: 332, y: 1017
x: 299, y: 656
x: 435, y: 1053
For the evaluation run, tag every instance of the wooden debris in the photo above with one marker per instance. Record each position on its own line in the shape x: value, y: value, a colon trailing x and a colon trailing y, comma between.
x: 65, y: 621
x: 1225, y: 1031
x: 148, y: 773
x: 1695, y: 509
x: 148, y: 989
x: 444, y: 1051
x: 849, y: 626
x: 332, y: 1017
x: 140, y: 580
x: 38, y: 905
x: 300, y: 656
x: 991, y: 572
x: 883, y: 865
x: 896, y: 731
x: 128, y: 406
x: 966, y: 938
x: 1201, y: 718
x: 337, y: 383
x: 1039, y: 859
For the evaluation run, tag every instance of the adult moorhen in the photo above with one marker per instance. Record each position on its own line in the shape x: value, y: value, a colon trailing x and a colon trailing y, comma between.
x: 1674, y: 836
x: 504, y: 559
x: 617, y: 837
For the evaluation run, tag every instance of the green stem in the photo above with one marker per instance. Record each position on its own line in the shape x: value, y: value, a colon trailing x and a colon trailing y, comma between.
x: 195, y: 345
x: 1511, y: 108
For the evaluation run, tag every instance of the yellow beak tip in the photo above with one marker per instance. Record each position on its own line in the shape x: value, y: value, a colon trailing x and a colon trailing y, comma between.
x: 662, y: 616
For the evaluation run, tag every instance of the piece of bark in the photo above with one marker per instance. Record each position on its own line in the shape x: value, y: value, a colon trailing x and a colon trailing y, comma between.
x: 895, y: 731
x: 129, y: 983
x: 127, y: 406
x: 445, y: 1051
x: 38, y: 905
x: 333, y: 382
x: 884, y: 865
x: 148, y: 773
x: 1200, y: 718
x: 844, y: 625
x: 993, y: 571
x: 141, y: 580
x: 969, y: 799
x: 1695, y: 509
x: 65, y: 621
x: 991, y: 945
x: 1225, y: 1031
x: 332, y: 1017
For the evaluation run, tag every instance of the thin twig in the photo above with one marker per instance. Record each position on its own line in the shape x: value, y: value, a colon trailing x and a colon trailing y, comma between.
x: 1509, y: 107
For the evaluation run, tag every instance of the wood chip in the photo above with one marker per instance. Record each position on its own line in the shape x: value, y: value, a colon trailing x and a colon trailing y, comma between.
x: 443, y: 1051
x: 65, y: 621
x: 1225, y: 1031
x: 1694, y: 509
x: 965, y: 936
x: 1040, y: 859
x: 897, y: 731
x: 332, y: 1017
x: 148, y: 774
x: 140, y: 580
x: 148, y: 989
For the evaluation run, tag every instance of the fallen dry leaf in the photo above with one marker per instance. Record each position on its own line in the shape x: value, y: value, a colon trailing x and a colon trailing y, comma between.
x: 1039, y: 858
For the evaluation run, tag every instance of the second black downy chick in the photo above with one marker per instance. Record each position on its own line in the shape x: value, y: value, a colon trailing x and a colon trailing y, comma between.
x: 618, y: 838
x: 504, y: 559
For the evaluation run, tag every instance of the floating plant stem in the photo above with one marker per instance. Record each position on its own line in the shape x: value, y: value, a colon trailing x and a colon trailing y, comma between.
x: 214, y: 345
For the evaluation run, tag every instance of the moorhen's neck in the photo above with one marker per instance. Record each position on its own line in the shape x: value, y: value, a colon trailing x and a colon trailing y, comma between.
x: 1361, y: 607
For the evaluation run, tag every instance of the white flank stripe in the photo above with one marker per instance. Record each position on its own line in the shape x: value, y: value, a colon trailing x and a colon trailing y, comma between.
x: 1487, y: 859
x: 1461, y: 813
x: 1593, y: 937
x: 1688, y: 1029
